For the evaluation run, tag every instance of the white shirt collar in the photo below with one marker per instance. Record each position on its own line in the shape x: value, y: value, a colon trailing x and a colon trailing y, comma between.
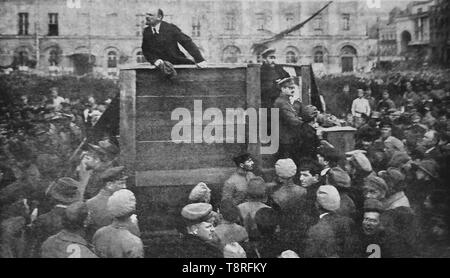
x: 324, y: 171
x: 323, y: 214
x: 157, y: 27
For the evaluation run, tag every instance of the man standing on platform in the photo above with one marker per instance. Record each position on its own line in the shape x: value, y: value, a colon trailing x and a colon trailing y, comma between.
x: 160, y: 43
x: 290, y: 122
x: 270, y: 72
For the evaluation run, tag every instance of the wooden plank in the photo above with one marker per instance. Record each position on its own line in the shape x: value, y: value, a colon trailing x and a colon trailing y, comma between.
x: 147, y: 131
x: 253, y: 100
x: 169, y: 155
x: 196, y: 75
x: 183, y: 177
x: 222, y: 87
x: 147, y: 66
x: 128, y: 117
x: 150, y: 105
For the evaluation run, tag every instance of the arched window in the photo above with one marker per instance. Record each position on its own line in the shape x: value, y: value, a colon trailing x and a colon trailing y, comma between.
x: 53, y: 58
x: 291, y: 58
x: 23, y: 58
x: 112, y: 59
x: 348, y: 50
x: 318, y: 56
x: 140, y: 57
x: 231, y: 54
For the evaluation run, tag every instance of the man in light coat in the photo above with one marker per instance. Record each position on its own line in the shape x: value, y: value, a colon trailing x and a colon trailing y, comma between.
x: 116, y: 240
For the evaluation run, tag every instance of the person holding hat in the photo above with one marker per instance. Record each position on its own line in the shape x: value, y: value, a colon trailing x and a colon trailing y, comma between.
x: 287, y: 191
x: 290, y: 122
x: 197, y: 233
x: 115, y: 180
x: 160, y: 42
x: 116, y: 240
x: 235, y: 187
x: 63, y: 192
x: 257, y: 197
x: 331, y: 236
x: 270, y: 72
x: 377, y: 241
x: 70, y: 242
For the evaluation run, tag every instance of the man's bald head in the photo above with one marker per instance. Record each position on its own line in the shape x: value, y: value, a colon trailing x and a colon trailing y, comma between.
x: 154, y: 16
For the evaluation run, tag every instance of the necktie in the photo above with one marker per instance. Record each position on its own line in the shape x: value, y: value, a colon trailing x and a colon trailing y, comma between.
x: 154, y: 31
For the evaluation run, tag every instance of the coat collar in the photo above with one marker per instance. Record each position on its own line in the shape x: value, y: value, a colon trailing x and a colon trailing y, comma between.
x: 389, y: 202
x: 65, y: 235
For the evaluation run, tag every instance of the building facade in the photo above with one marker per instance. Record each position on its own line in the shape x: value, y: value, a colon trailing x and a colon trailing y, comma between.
x: 440, y: 31
x: 82, y: 36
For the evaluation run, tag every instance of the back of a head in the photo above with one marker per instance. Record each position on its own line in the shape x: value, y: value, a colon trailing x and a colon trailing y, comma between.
x: 256, y: 189
x: 266, y: 220
x: 308, y: 164
x: 75, y: 216
x: 229, y: 210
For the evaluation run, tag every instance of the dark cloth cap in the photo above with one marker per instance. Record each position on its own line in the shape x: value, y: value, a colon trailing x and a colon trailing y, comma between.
x: 373, y: 205
x: 428, y: 166
x: 339, y: 178
x: 288, y: 81
x: 168, y: 69
x: 266, y: 218
x: 241, y: 158
x: 65, y: 190
x: 331, y: 154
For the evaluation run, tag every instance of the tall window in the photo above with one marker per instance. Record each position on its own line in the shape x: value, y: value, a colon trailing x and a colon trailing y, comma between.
x: 230, y: 21
x: 345, y: 22
x: 318, y: 23
x: 53, y: 24
x: 196, y: 27
x: 23, y: 58
x: 140, y: 24
x: 289, y: 20
x: 318, y: 56
x: 53, y: 58
x: 291, y: 58
x: 112, y: 59
x: 260, y: 21
x: 140, y: 57
x: 23, y: 24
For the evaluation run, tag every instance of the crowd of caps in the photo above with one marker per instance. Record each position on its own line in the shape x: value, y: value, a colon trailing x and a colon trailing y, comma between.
x: 386, y: 198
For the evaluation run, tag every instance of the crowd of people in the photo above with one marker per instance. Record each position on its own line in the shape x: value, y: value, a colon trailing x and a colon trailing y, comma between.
x: 62, y: 197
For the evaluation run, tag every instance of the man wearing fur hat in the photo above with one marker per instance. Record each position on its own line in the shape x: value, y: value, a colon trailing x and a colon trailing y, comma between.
x: 116, y: 240
x: 202, y: 194
x: 287, y: 191
x: 64, y: 192
x: 197, y: 233
x: 235, y: 187
x: 70, y: 242
x: 114, y: 180
x: 332, y: 236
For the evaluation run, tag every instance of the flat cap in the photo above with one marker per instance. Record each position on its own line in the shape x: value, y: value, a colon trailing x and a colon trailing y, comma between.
x: 339, y: 178
x: 328, y: 197
x: 285, y: 168
x: 267, y: 52
x: 373, y: 205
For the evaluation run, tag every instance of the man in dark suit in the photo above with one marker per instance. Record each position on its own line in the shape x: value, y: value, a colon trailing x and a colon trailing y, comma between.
x: 160, y: 43
x: 270, y: 72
